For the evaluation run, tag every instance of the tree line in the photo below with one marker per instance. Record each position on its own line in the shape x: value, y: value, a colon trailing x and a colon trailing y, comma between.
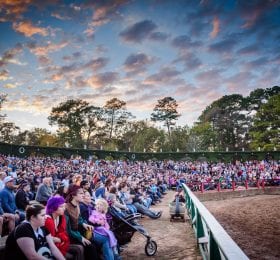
x: 232, y: 122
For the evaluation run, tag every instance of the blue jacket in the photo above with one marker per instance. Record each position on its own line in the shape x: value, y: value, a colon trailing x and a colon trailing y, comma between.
x: 8, y: 200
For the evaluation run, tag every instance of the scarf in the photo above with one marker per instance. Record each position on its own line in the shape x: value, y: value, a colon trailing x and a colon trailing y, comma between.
x: 73, y: 213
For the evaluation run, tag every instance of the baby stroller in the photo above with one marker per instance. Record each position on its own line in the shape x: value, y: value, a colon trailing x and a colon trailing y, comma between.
x: 124, y: 226
x: 177, y: 210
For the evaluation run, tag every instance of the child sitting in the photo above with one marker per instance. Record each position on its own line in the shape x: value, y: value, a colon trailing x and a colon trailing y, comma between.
x: 102, y: 229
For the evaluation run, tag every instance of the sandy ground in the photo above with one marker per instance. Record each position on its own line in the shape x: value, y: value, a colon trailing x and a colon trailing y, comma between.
x: 252, y: 222
x: 175, y: 240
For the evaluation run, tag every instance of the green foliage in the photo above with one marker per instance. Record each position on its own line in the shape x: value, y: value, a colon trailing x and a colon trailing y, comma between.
x: 70, y: 116
x: 166, y: 111
x: 266, y: 128
x: 116, y: 116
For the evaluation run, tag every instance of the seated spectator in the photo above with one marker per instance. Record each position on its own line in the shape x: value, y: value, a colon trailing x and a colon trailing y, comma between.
x: 102, y: 234
x: 2, y: 177
x: 30, y: 240
x: 126, y: 197
x: 8, y: 199
x: 6, y: 218
x: 76, y: 226
x: 56, y: 223
x: 137, y: 202
x: 86, y: 206
x: 44, y: 191
x: 22, y: 196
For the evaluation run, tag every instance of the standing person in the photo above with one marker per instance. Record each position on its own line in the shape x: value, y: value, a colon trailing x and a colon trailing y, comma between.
x: 44, y: 191
x: 56, y: 223
x: 75, y: 223
x: 30, y: 239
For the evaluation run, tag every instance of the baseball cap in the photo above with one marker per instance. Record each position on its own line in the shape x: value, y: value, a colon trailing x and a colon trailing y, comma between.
x: 8, y: 179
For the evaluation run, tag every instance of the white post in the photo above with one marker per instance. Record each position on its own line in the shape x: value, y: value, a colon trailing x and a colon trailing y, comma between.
x: 227, y: 149
x: 259, y: 149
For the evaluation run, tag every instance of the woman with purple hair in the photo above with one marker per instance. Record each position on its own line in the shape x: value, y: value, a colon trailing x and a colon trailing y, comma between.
x: 56, y: 223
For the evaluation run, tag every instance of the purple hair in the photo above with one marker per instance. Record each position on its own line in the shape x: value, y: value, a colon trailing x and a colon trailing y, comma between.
x: 53, y: 204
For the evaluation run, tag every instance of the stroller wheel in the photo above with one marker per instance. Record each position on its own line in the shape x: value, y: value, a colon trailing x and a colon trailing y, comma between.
x: 150, y: 248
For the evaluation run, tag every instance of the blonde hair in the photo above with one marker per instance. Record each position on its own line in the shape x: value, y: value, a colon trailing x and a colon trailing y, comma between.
x: 103, y: 203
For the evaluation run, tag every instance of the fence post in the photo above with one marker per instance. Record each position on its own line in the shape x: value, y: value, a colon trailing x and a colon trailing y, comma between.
x: 202, y: 187
x: 263, y: 184
x: 233, y: 185
x: 219, y: 186
x: 246, y: 184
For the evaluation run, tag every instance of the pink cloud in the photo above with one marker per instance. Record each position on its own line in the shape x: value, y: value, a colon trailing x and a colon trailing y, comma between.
x: 216, y: 27
x: 28, y: 29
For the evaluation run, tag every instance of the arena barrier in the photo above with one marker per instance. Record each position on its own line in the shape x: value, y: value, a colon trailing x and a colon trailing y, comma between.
x: 213, y: 241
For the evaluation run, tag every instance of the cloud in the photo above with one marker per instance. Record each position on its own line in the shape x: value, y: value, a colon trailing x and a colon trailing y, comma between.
x: 28, y: 29
x: 184, y: 42
x: 234, y: 82
x: 96, y: 64
x: 158, y: 36
x: 223, y: 46
x: 216, y: 27
x: 253, y: 11
x: 137, y: 62
x: 249, y: 50
x: 44, y: 50
x: 103, y: 79
x: 10, y: 9
x: 103, y: 12
x: 4, y: 75
x: 138, y: 31
x: 164, y: 76
x: 9, y: 55
x: 10, y: 85
x: 190, y: 60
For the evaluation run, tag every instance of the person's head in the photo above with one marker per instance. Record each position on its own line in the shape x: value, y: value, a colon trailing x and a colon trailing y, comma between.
x: 87, y: 198
x: 24, y: 185
x: 113, y: 190
x: 47, y: 181
x: 101, y: 205
x: 55, y: 204
x: 123, y: 186
x: 35, y: 214
x: 77, y: 179
x: 75, y: 193
x: 84, y: 184
x: 62, y: 190
x: 9, y: 182
x: 3, y: 175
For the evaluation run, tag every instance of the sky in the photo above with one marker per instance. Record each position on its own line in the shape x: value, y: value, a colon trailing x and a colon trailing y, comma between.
x: 138, y: 51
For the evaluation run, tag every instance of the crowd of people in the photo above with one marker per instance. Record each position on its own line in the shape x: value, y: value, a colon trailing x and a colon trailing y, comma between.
x: 58, y: 208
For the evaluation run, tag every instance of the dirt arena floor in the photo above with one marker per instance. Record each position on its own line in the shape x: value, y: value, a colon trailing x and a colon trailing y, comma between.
x: 252, y: 222
x: 175, y: 240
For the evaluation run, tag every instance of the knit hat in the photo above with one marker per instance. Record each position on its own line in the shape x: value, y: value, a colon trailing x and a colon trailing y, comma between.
x: 53, y: 204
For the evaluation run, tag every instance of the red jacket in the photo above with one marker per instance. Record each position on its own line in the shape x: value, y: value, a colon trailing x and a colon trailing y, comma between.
x: 61, y: 233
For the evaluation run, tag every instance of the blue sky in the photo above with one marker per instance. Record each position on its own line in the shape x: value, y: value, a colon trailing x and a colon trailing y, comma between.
x: 138, y: 51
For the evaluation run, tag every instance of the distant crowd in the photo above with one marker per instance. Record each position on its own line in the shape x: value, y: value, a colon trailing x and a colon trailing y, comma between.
x: 61, y: 205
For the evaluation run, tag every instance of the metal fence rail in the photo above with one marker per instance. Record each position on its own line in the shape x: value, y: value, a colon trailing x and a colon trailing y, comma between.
x: 214, y: 242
